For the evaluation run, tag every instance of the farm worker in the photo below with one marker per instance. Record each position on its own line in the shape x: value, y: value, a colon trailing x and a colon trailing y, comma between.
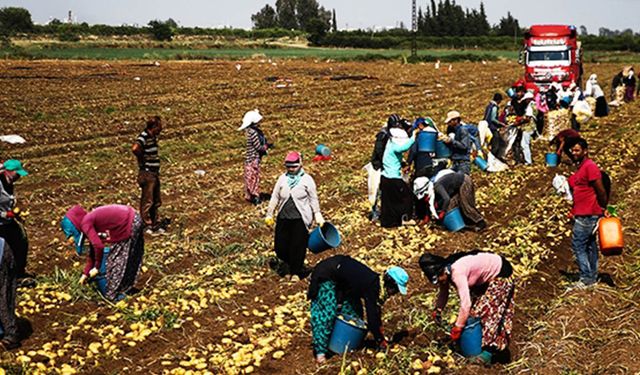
x: 486, y: 290
x: 339, y: 285
x: 145, y: 149
x: 396, y: 197
x: 498, y: 145
x: 376, y: 162
x: 564, y: 141
x: 615, y: 83
x: 119, y: 225
x: 295, y: 199
x: 593, y: 89
x: 256, y: 148
x: 449, y: 189
x: 9, y: 338
x: 11, y: 226
x: 460, y: 142
x: 589, y: 200
x: 421, y: 161
x: 629, y: 81
x: 528, y: 126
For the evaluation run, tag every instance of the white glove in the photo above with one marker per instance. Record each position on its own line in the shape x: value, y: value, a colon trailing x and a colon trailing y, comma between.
x: 83, y: 279
x: 319, y: 219
x: 93, y: 272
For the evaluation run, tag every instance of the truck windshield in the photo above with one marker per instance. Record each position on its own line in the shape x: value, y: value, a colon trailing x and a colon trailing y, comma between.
x: 548, y: 55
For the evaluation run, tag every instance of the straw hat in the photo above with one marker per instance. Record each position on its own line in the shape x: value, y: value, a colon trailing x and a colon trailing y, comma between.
x: 452, y: 115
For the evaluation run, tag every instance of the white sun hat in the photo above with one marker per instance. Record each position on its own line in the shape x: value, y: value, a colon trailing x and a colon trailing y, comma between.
x: 250, y: 118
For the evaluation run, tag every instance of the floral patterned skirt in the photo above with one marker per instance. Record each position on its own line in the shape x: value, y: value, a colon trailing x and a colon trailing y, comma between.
x: 495, y: 309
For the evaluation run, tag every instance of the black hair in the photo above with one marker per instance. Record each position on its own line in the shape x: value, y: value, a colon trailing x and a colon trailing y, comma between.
x: 497, y: 97
x: 390, y: 283
x: 153, y: 122
x: 392, y: 121
x: 582, y: 142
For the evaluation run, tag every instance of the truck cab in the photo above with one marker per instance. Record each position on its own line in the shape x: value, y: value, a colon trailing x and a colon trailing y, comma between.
x: 551, y: 53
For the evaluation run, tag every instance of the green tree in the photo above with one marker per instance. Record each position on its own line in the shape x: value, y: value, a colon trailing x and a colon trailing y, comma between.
x: 15, y: 20
x: 265, y: 18
x: 286, y: 11
x: 508, y: 26
x: 334, y: 22
x: 161, y: 30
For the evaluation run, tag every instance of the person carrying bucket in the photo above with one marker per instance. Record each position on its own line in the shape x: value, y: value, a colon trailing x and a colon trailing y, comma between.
x: 422, y: 161
x: 257, y: 147
x: 340, y: 284
x: 295, y: 199
x: 460, y: 142
x: 9, y: 338
x: 589, y: 200
x: 449, y: 189
x: 119, y: 225
x: 396, y: 197
x: 486, y: 290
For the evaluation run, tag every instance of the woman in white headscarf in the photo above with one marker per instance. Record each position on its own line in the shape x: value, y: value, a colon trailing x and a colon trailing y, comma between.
x: 593, y: 89
x: 397, y: 200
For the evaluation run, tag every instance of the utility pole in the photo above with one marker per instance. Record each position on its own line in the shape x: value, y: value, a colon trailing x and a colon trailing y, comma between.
x: 414, y: 29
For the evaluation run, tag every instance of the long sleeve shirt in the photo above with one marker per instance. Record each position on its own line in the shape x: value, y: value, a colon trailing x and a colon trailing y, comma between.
x: 353, y: 280
x: 392, y: 159
x: 254, y: 145
x: 7, y: 199
x: 115, y: 221
x: 447, y: 187
x: 304, y: 195
x: 461, y: 144
x: 466, y: 273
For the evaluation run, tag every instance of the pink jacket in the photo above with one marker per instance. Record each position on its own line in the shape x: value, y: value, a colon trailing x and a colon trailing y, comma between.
x: 468, y: 272
x: 115, y: 220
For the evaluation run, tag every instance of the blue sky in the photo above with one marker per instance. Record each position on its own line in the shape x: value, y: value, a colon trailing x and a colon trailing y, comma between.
x: 613, y: 14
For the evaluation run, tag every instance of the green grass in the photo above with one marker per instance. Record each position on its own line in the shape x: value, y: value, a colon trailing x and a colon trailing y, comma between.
x: 102, y: 53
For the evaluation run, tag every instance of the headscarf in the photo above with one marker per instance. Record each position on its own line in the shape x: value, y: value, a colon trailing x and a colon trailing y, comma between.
x: 70, y: 230
x: 294, y: 178
x: 399, y: 136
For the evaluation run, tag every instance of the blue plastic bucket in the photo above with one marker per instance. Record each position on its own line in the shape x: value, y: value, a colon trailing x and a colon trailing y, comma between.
x: 552, y: 159
x: 481, y: 163
x: 323, y: 238
x: 471, y: 338
x: 442, y: 150
x: 427, y: 141
x: 348, y: 333
x: 323, y: 150
x: 453, y: 220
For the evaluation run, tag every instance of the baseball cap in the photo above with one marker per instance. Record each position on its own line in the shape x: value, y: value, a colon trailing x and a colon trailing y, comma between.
x: 400, y: 276
x: 16, y: 166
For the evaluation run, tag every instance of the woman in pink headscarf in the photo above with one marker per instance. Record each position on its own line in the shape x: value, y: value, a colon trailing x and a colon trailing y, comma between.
x: 295, y: 199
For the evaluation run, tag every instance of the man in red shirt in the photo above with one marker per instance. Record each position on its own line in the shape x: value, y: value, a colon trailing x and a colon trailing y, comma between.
x: 589, y: 200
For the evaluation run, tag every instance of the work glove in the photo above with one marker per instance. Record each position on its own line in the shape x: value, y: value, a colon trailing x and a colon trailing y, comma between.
x: 319, y: 219
x: 93, y: 272
x: 436, y: 315
x: 269, y: 221
x: 455, y: 333
x: 7, y: 214
x: 83, y: 279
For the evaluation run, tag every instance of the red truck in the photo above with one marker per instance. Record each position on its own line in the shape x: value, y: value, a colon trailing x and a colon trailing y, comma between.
x: 551, y: 53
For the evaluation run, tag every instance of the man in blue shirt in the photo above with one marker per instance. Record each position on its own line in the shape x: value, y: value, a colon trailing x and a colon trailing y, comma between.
x: 460, y: 143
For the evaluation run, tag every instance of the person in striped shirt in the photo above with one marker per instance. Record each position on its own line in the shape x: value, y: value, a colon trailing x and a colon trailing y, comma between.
x: 256, y: 148
x: 146, y: 151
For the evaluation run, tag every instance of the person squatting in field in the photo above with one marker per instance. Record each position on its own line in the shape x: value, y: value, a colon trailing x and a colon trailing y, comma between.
x: 486, y: 290
x: 11, y: 227
x: 145, y: 149
x: 589, y: 200
x: 257, y: 147
x: 339, y: 285
x: 295, y: 199
x: 447, y: 190
x: 119, y: 225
